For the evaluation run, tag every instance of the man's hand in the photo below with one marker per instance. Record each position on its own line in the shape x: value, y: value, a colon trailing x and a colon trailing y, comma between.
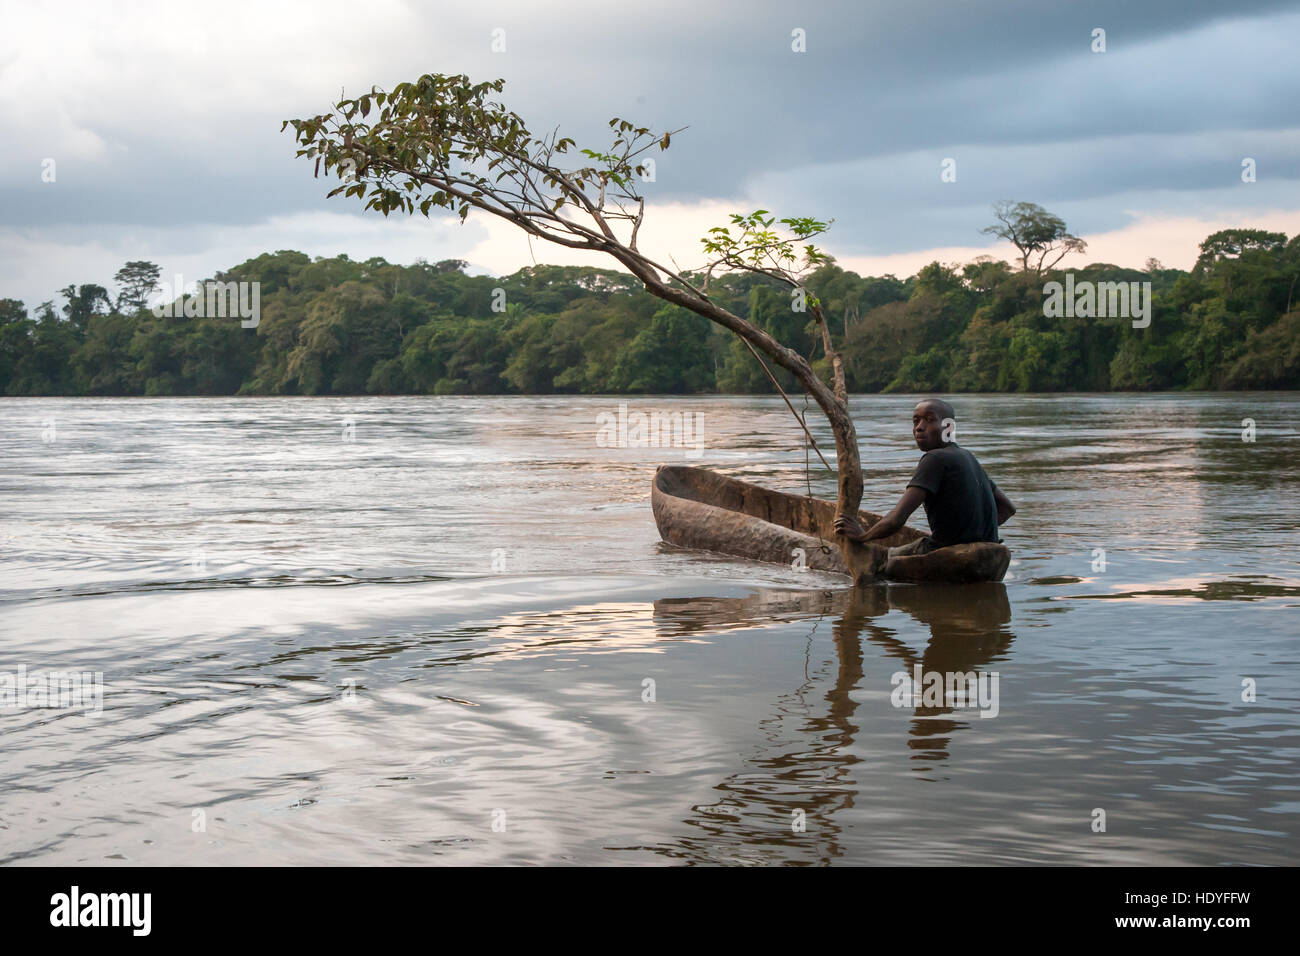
x: 1005, y: 508
x: 850, y: 528
x: 912, y: 499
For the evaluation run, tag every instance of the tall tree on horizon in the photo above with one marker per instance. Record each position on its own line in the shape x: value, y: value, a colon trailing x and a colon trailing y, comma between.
x: 1033, y: 231
x: 136, y: 281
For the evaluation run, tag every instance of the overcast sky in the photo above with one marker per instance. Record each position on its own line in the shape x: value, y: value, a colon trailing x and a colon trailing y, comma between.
x: 163, y: 121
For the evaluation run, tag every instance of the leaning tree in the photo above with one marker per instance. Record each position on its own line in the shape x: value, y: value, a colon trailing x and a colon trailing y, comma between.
x: 440, y: 142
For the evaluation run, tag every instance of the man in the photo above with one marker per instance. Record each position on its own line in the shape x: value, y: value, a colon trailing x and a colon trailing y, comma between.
x: 961, y: 503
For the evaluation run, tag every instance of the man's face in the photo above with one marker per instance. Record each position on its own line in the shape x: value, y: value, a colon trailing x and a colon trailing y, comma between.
x: 927, y: 426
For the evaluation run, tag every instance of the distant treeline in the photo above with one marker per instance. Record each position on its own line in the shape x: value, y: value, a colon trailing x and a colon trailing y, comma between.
x: 335, y: 326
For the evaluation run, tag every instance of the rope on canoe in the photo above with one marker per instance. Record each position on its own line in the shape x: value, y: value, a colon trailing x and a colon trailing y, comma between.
x: 812, y: 441
x: 807, y: 477
x: 825, y: 546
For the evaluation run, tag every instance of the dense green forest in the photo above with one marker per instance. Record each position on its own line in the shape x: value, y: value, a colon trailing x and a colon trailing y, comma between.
x: 337, y: 326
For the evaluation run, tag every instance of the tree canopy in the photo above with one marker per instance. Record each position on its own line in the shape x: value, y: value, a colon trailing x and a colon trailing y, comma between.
x: 342, y: 326
x: 1034, y: 232
x: 441, y: 142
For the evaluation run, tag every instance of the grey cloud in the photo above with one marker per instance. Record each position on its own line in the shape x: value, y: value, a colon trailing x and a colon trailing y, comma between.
x: 853, y: 128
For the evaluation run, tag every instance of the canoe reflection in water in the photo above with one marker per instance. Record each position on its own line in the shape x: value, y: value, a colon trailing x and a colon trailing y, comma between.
x: 824, y: 749
x: 969, y: 629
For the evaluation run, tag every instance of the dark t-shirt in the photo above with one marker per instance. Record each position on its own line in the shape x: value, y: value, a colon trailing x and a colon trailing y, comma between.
x: 960, y: 504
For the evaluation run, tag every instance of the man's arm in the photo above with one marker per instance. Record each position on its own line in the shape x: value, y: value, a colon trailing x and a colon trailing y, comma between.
x: 912, y: 499
x: 1005, y: 508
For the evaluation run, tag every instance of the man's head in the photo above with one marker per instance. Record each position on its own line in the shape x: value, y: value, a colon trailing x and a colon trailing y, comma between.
x: 934, y: 424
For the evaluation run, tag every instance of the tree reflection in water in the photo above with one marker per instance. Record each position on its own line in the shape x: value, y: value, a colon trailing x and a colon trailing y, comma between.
x: 808, y: 760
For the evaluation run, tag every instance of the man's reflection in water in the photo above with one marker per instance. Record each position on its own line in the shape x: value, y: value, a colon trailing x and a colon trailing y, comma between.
x: 808, y: 759
x: 969, y: 629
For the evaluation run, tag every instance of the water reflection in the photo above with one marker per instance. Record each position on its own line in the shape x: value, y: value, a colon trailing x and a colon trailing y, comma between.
x: 819, y: 756
x: 969, y: 629
x: 482, y: 687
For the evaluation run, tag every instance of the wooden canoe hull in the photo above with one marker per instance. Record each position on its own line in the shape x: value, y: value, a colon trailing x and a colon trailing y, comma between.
x: 698, y: 508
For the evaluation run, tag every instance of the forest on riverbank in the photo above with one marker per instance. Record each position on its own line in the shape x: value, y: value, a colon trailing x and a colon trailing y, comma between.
x: 339, y: 326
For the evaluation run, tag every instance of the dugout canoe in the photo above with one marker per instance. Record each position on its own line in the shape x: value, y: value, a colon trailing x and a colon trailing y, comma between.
x: 701, y: 509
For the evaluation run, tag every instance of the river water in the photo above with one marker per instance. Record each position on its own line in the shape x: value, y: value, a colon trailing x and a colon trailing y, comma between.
x: 444, y: 630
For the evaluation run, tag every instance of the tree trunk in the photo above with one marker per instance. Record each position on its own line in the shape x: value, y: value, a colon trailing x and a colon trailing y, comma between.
x: 865, y: 561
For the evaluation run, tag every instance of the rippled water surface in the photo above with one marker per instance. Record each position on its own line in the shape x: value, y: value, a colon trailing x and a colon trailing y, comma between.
x: 444, y: 630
